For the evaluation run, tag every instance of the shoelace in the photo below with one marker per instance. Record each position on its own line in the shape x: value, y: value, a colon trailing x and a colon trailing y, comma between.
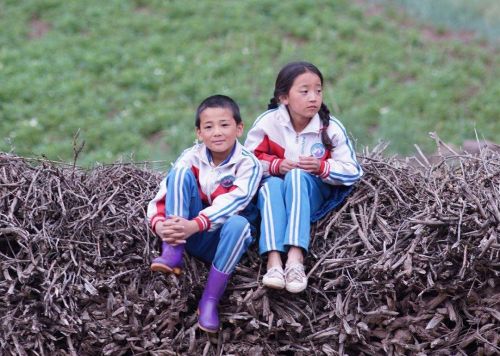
x: 274, y: 272
x: 295, y: 273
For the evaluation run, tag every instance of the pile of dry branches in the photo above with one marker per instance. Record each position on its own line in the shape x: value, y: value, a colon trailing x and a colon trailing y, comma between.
x: 408, y: 265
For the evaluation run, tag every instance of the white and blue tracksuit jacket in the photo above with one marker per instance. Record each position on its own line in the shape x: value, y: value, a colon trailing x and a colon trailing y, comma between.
x: 272, y: 138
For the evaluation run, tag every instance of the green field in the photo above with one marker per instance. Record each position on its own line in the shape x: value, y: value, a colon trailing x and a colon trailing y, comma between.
x: 129, y: 74
x: 482, y: 17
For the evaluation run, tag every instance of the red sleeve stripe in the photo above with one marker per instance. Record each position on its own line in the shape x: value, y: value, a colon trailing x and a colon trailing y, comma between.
x: 274, y: 168
x: 160, y: 207
x: 203, y: 222
x: 324, y: 169
x: 156, y: 220
x: 221, y: 190
x: 268, y: 150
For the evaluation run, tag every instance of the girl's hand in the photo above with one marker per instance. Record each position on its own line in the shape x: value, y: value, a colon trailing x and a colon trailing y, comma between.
x: 309, y: 164
x: 287, y: 165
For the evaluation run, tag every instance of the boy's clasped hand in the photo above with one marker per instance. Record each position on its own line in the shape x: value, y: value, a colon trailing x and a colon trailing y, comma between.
x: 176, y: 230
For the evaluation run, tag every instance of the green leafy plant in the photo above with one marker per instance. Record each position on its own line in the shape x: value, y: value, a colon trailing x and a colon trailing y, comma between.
x: 128, y: 75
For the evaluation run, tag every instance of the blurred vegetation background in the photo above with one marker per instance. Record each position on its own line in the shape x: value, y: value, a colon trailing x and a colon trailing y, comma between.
x: 129, y: 74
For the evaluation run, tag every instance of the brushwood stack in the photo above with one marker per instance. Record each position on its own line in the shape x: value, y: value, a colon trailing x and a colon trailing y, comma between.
x: 410, y: 264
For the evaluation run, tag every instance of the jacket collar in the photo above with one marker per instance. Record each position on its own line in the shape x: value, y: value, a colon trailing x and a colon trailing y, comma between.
x: 206, y: 156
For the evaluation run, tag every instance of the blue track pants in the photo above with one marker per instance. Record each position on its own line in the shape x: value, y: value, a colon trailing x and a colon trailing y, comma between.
x: 224, y: 246
x: 286, y: 207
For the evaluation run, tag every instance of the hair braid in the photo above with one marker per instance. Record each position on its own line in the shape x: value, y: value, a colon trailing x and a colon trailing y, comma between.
x: 324, y: 115
x: 273, y: 104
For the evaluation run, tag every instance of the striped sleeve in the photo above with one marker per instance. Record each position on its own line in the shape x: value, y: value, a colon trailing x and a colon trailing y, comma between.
x: 156, y: 207
x: 269, y: 153
x: 342, y: 168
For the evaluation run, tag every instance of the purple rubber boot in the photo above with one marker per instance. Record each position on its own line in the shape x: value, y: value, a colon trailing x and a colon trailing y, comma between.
x: 170, y: 260
x: 208, y: 316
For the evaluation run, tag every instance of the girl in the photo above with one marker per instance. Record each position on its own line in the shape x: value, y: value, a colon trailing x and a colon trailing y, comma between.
x: 309, y: 168
x: 197, y: 206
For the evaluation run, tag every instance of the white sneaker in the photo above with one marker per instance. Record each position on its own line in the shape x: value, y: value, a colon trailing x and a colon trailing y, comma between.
x: 274, y: 278
x: 295, y: 277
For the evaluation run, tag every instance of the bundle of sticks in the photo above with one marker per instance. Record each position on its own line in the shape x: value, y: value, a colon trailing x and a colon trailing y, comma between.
x: 409, y: 264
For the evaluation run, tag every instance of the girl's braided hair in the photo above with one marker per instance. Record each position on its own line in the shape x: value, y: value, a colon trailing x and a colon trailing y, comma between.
x: 284, y: 82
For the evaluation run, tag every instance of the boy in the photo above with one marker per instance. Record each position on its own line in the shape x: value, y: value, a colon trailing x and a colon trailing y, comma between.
x: 198, y: 203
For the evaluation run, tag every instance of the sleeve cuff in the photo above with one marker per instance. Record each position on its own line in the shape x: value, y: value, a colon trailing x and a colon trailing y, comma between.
x: 274, y: 168
x: 156, y: 220
x: 324, y: 170
x: 203, y: 222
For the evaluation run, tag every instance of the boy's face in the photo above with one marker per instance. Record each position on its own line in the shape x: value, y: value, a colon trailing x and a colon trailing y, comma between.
x: 218, y: 131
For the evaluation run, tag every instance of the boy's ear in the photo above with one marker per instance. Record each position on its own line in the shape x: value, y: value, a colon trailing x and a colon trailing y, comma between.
x: 239, y: 129
x: 198, y: 134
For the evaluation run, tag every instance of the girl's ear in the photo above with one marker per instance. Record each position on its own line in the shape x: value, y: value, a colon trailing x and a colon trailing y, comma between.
x: 283, y: 99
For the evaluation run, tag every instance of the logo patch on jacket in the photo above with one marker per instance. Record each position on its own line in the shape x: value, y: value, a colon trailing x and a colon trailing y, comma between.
x: 227, y: 181
x: 318, y: 150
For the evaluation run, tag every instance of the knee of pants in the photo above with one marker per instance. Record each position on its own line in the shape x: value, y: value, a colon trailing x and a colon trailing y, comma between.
x: 272, y: 186
x: 235, y: 223
x: 188, y: 174
x: 288, y: 181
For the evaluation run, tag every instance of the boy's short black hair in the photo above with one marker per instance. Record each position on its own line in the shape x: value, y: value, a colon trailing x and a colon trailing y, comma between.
x: 219, y: 101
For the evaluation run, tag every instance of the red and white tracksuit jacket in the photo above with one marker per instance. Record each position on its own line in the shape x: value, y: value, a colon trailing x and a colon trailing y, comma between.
x: 225, y: 189
x: 273, y: 138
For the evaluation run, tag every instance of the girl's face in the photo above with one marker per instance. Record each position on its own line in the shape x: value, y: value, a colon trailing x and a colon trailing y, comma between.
x: 218, y: 130
x: 304, y: 98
